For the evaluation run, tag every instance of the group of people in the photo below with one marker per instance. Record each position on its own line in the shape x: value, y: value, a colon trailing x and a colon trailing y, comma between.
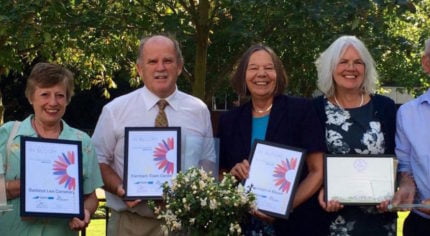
x: 349, y: 118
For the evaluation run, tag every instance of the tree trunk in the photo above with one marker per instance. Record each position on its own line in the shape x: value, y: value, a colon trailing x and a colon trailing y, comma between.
x: 202, y: 38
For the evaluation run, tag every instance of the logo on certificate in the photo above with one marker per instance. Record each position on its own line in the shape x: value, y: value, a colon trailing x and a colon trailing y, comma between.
x: 65, y: 170
x: 282, y: 174
x: 163, y: 155
x: 360, y: 165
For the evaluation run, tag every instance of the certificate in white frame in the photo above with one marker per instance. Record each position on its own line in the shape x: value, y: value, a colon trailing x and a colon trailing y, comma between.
x: 359, y: 179
x: 152, y: 156
x: 273, y: 176
x: 51, y: 178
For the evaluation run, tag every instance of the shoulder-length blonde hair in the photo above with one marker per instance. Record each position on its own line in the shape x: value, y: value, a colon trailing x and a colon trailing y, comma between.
x: 328, y: 60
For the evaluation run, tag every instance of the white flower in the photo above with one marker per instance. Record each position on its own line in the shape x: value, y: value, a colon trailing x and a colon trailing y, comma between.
x: 203, y: 174
x: 201, y: 194
x: 240, y: 189
x: 165, y: 230
x: 373, y: 139
x: 173, y: 185
x: 231, y: 228
x: 337, y: 116
x: 213, y: 204
x: 335, y: 142
x: 203, y: 202
x: 243, y: 199
x: 176, y: 225
x: 237, y: 227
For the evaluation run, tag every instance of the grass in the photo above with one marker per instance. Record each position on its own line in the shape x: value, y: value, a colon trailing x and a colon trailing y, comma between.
x: 97, y: 226
x: 400, y: 219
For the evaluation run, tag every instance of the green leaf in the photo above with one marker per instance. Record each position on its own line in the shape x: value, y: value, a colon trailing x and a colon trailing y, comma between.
x: 47, y: 37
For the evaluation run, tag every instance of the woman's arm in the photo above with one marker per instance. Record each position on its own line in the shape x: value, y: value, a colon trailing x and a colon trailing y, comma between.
x: 313, y: 181
x: 90, y: 206
x: 13, y: 188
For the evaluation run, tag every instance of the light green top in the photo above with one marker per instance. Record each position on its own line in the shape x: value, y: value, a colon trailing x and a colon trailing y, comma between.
x: 11, y: 222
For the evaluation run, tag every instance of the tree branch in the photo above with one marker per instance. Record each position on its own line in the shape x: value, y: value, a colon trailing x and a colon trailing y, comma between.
x: 191, y: 10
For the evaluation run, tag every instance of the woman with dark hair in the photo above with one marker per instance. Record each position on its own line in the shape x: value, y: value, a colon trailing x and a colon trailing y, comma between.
x: 269, y: 115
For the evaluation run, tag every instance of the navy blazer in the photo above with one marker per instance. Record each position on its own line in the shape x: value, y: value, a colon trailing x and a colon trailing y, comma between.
x: 293, y: 121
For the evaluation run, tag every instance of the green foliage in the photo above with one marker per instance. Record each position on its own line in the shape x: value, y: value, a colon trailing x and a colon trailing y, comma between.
x: 100, y: 212
x: 98, y: 39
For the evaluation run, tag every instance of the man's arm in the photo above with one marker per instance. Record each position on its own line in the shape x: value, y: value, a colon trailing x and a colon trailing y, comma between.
x: 113, y: 184
x: 407, y: 188
x: 406, y: 191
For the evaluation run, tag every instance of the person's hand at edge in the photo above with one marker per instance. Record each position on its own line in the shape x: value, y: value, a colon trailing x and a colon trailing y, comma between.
x: 330, y: 206
x: 241, y: 170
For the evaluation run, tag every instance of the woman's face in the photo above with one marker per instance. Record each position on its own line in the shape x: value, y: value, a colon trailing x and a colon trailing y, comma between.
x: 49, y: 104
x: 261, y: 75
x: 349, y: 72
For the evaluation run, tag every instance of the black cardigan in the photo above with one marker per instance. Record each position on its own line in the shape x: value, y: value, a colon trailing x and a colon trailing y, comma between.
x: 384, y: 111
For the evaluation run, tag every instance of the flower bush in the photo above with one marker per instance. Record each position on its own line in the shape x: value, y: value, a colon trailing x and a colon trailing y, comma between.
x: 196, y: 203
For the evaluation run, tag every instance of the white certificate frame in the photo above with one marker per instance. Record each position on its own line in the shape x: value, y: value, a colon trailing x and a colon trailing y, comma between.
x: 354, y: 179
x: 152, y: 156
x: 51, y: 178
x: 273, y: 176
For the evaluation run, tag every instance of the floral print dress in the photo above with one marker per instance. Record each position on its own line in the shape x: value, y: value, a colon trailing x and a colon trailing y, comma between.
x: 357, y: 131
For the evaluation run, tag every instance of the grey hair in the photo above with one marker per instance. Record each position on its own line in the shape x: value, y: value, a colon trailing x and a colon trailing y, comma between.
x: 427, y: 47
x: 178, y: 51
x: 328, y: 60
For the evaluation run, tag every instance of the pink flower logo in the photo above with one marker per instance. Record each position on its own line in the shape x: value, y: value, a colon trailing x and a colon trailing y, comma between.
x: 280, y: 174
x: 63, y: 172
x: 161, y: 153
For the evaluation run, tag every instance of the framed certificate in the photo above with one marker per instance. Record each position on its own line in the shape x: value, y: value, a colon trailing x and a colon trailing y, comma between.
x: 273, y: 176
x: 151, y: 157
x: 359, y: 179
x: 51, y: 178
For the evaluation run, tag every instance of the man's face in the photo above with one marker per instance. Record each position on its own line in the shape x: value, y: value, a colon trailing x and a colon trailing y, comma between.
x: 159, y: 67
x: 425, y: 62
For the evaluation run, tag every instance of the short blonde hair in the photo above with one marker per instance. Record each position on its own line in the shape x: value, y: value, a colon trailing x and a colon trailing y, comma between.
x: 328, y: 60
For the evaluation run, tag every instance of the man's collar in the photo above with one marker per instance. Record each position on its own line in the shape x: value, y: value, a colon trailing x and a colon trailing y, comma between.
x: 425, y: 97
x: 151, y: 99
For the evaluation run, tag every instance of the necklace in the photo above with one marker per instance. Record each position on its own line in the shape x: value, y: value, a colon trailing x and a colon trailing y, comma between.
x: 338, y: 104
x: 263, y: 111
x: 33, y: 123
